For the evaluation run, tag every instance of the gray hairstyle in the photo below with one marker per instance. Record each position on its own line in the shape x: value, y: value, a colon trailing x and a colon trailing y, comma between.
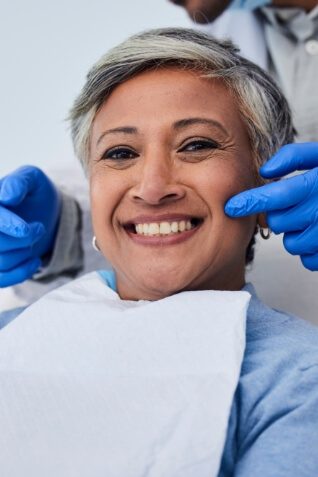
x: 262, y: 105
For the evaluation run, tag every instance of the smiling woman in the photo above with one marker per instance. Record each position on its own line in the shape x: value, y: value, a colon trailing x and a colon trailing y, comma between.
x: 148, y: 366
x: 171, y: 124
x: 168, y: 176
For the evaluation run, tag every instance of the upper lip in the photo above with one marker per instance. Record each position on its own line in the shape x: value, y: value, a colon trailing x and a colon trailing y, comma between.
x: 145, y: 219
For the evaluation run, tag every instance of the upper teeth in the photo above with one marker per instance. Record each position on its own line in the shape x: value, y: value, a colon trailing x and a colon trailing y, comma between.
x: 163, y: 228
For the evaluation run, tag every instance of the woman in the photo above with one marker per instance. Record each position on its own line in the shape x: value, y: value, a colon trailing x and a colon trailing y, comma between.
x: 168, y: 126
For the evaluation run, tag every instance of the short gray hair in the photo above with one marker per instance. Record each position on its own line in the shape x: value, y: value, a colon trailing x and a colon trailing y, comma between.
x: 263, y: 107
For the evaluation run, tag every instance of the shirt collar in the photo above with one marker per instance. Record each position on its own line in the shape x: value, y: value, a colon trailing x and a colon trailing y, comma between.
x: 293, y: 21
x: 250, y: 289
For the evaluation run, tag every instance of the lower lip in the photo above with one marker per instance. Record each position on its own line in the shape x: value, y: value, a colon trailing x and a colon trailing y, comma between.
x: 163, y: 240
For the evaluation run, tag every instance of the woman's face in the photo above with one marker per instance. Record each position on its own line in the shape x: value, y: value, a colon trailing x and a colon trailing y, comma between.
x: 168, y: 149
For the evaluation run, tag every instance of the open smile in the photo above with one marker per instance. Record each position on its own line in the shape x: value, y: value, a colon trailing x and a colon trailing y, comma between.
x: 163, y: 230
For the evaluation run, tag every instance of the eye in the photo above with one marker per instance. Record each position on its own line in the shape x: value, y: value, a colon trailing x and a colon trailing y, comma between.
x: 199, y: 145
x: 119, y: 154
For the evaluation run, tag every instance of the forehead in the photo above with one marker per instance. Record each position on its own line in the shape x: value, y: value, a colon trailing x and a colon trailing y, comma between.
x: 160, y: 97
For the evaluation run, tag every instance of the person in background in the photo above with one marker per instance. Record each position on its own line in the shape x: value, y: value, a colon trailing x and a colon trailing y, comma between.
x: 46, y: 242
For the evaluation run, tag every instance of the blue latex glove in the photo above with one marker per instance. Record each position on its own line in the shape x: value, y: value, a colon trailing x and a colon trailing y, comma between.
x: 249, y: 4
x: 30, y: 207
x: 291, y: 204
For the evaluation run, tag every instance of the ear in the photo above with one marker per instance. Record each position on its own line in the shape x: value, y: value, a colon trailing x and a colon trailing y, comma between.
x: 261, y: 221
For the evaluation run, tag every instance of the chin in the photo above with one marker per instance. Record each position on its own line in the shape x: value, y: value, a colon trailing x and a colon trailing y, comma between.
x: 203, y: 12
x: 162, y: 285
x: 157, y: 290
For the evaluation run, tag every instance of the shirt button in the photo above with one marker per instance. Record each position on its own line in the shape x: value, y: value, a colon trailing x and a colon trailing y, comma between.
x: 311, y: 47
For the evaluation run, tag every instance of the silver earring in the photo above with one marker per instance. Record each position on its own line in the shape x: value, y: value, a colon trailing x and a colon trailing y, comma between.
x: 95, y: 244
x: 265, y: 232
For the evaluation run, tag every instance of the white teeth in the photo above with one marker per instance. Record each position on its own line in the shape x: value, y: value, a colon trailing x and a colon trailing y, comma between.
x: 182, y: 226
x: 153, y: 229
x: 163, y: 228
x: 175, y: 226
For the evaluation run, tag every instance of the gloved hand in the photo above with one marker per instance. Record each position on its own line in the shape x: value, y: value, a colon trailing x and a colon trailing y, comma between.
x: 30, y: 207
x: 291, y: 204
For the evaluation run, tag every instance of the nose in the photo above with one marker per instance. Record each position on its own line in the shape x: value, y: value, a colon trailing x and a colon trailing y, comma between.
x: 156, y: 183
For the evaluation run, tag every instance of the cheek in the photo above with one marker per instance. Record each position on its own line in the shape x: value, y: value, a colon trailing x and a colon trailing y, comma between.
x: 102, y: 199
x: 221, y: 181
x: 216, y: 186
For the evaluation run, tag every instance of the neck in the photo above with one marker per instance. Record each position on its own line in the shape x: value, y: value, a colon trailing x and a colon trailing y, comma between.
x: 307, y: 5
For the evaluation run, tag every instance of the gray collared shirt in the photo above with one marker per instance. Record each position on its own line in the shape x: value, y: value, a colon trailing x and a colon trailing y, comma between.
x: 292, y: 41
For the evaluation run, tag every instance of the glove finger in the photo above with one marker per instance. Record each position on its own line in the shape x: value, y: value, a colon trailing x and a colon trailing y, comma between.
x: 8, y: 243
x: 295, y: 218
x: 15, y: 186
x: 274, y: 196
x: 13, y: 225
x: 19, y: 274
x: 13, y: 259
x: 301, y: 243
x: 13, y: 189
x: 33, y: 176
x: 310, y: 261
x: 290, y: 158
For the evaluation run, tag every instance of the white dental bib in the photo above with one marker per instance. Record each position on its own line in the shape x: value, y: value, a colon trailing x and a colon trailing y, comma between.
x: 95, y: 386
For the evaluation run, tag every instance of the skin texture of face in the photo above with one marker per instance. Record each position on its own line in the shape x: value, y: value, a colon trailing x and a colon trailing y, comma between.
x: 168, y: 145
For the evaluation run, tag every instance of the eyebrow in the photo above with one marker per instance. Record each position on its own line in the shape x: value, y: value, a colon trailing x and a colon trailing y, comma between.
x: 124, y: 129
x: 181, y: 124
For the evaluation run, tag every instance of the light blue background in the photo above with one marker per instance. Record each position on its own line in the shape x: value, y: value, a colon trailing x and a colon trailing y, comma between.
x: 46, y: 49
